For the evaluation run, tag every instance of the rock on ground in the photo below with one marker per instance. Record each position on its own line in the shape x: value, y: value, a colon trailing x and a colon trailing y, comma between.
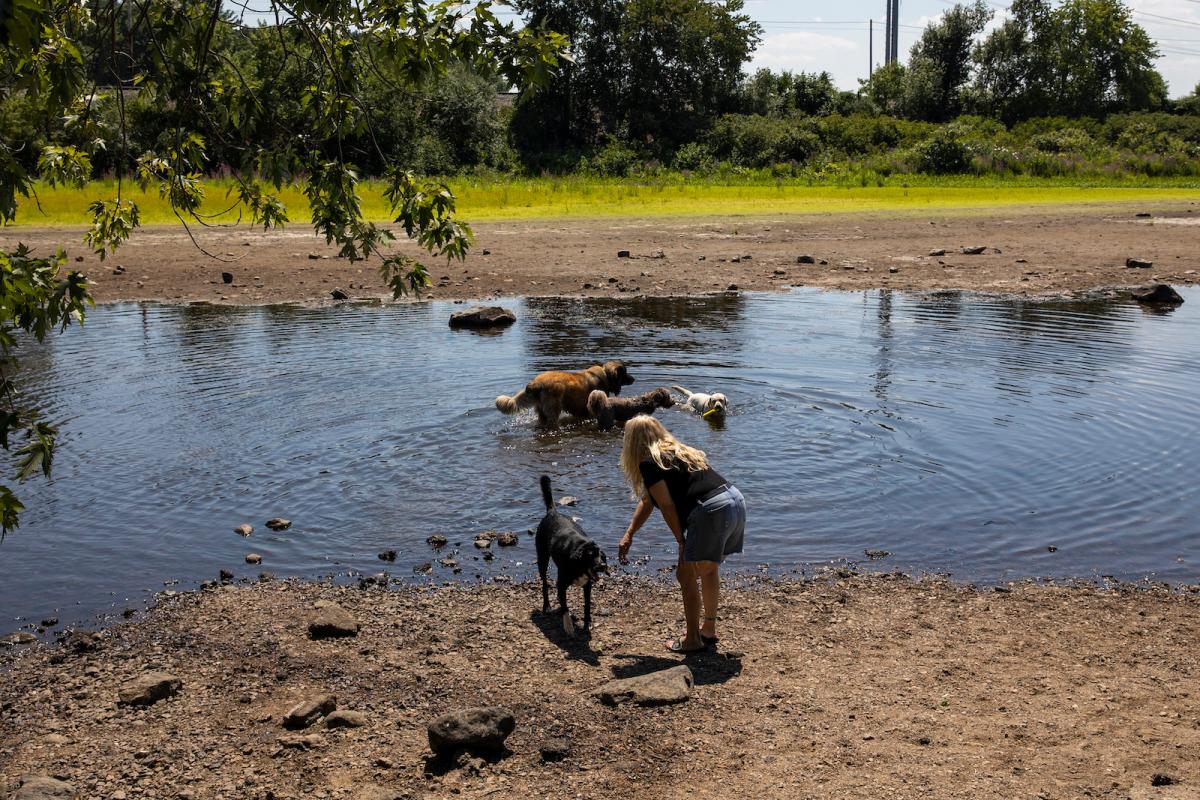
x: 306, y: 712
x: 148, y: 689
x: 477, y: 730
x: 331, y: 621
x: 343, y: 718
x: 36, y: 787
x: 482, y: 317
x: 664, y: 687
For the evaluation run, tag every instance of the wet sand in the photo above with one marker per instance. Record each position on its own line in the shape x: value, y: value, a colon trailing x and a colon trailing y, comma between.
x: 854, y: 687
x: 1030, y: 251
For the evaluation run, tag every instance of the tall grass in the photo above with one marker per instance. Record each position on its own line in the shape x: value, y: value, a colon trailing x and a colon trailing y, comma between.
x: 669, y: 194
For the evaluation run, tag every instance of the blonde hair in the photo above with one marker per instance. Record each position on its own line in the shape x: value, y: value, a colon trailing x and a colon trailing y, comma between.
x: 645, y: 437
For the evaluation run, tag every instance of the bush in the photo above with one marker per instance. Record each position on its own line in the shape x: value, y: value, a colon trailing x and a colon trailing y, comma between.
x: 694, y: 157
x: 614, y: 160
x: 1064, y: 140
x: 757, y: 141
x: 943, y: 154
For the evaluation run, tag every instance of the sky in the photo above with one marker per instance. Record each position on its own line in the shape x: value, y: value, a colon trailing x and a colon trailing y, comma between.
x: 814, y: 37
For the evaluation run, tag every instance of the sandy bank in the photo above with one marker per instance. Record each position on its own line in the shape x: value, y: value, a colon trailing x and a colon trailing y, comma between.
x: 864, y: 688
x: 1031, y: 251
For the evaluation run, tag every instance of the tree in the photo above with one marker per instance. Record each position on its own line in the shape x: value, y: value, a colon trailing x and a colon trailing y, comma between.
x: 1083, y: 58
x: 650, y: 71
x: 939, y: 64
x: 73, y: 60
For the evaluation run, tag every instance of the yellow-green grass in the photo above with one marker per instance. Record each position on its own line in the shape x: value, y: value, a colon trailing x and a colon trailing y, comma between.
x: 546, y: 198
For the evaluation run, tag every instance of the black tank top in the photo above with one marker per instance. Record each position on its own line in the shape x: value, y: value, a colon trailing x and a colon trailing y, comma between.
x: 685, y: 486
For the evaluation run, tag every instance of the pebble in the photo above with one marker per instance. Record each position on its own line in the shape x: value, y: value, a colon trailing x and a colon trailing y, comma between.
x: 437, y: 540
x: 331, y: 621
x: 387, y: 555
x: 253, y: 558
x: 308, y: 711
x: 279, y: 524
x: 244, y: 530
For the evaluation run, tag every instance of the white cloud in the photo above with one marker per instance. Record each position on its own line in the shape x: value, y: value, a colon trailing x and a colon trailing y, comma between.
x: 804, y: 51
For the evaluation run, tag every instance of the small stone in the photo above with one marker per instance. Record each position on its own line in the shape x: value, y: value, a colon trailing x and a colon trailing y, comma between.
x: 1051, y: 548
x: 306, y: 712
x: 482, y: 317
x: 733, y: 287
x: 38, y: 787
x: 974, y: 251
x: 279, y: 524
x: 226, y: 277
x: 423, y: 568
x: 49, y: 622
x: 18, y: 638
x: 507, y: 540
x: 313, y: 256
x: 387, y: 555
x: 568, y: 500
x: 893, y: 270
x: 612, y: 280
x: 331, y: 621
x: 226, y: 576
x: 779, y: 272
x: 875, y: 555
x: 1137, y: 263
x: 1143, y: 214
x: 622, y: 254
x: 941, y: 251
x: 296, y: 741
x: 555, y: 749
x: 253, y: 558
x: 437, y: 541
x: 1162, y: 779
x: 244, y: 530
x: 663, y: 687
x: 588, y: 286
x: 483, y: 543
x: 701, y: 258
x: 735, y: 260
x: 476, y: 730
x: 487, y: 252
x: 338, y: 294
x: 346, y: 719
x: 148, y: 689
x: 658, y: 254
x: 805, y: 260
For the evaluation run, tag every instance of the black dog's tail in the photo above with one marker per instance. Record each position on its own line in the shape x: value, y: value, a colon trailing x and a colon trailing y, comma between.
x: 546, y: 495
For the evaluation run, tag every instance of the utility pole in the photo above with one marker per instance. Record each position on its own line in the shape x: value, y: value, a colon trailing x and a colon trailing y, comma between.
x: 893, y: 32
x: 870, y: 48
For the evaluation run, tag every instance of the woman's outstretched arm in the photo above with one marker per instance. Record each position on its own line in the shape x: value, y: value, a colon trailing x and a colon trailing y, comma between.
x: 640, y: 515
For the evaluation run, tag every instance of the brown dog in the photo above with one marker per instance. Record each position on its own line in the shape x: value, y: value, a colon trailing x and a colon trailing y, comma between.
x: 552, y: 393
x: 610, y: 411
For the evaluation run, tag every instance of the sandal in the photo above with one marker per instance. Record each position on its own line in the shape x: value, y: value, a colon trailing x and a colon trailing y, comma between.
x: 676, y: 646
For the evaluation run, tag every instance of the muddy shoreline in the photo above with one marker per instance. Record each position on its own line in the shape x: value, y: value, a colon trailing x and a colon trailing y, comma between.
x: 854, y: 687
x: 1030, y: 252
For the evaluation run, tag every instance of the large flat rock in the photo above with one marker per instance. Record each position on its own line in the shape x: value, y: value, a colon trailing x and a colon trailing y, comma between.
x: 664, y: 687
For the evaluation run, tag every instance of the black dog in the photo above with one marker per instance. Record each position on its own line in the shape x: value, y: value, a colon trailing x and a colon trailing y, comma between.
x: 610, y: 411
x: 580, y: 561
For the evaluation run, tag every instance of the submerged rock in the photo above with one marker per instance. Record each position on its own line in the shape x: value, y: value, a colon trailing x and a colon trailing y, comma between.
x: 482, y: 317
x: 279, y: 524
x: 18, y: 638
x: 253, y: 558
x: 387, y: 555
x: 437, y: 541
x: 148, y: 689
x: 338, y: 294
x: 1159, y: 294
x: 664, y: 687
x: 507, y: 540
x: 244, y: 529
x: 476, y: 730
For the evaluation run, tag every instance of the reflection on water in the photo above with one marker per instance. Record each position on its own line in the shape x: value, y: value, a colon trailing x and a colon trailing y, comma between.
x: 958, y: 433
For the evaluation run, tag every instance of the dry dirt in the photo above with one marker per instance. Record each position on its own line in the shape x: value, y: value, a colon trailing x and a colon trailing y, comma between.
x: 1031, y: 251
x: 858, y: 687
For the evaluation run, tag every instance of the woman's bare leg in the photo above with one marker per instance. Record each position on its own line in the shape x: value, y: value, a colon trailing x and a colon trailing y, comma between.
x: 710, y: 591
x: 689, y: 585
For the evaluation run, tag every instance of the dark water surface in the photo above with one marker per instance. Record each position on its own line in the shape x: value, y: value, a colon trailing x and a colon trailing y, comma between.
x: 960, y: 434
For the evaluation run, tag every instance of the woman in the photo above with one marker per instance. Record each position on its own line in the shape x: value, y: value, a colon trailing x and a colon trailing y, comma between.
x: 706, y: 514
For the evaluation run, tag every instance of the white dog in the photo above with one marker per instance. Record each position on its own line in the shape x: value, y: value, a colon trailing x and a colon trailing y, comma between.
x: 706, y: 405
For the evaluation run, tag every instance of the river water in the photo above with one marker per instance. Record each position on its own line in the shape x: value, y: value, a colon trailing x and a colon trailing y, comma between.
x: 961, y: 434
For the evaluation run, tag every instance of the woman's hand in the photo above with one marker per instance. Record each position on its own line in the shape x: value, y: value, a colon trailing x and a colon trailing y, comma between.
x: 623, y: 547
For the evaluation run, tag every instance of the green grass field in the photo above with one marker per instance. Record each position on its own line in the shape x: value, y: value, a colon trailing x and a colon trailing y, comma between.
x: 577, y: 196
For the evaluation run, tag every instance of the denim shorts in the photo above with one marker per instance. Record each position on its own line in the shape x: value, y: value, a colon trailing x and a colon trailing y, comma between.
x: 716, y: 527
